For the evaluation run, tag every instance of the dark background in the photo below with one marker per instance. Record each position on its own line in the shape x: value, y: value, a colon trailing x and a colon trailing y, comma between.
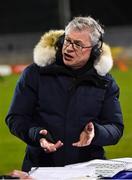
x: 19, y: 16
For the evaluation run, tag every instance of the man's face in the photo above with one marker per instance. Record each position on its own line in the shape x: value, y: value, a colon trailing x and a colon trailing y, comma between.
x: 76, y: 48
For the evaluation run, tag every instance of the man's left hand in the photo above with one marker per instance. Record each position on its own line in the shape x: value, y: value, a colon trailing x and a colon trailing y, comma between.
x: 86, y: 136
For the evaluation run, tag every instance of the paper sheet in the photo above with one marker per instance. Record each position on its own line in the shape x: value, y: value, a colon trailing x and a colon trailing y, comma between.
x: 91, y: 169
x: 103, y: 168
x: 127, y: 161
x: 63, y: 173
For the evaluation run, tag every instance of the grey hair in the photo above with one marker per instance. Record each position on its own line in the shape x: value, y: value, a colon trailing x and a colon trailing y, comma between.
x: 86, y: 23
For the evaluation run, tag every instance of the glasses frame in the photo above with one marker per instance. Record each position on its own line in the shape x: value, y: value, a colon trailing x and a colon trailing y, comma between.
x: 76, y: 46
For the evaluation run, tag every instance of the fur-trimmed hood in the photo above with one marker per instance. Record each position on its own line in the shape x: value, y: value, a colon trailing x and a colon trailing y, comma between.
x: 44, y: 53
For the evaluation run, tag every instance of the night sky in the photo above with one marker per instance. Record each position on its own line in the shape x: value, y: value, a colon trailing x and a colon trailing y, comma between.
x: 40, y: 15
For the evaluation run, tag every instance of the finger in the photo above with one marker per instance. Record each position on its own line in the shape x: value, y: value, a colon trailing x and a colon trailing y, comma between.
x: 89, y: 127
x: 43, y: 143
x: 77, y: 144
x: 82, y: 142
x: 58, y: 144
x: 47, y: 146
x: 43, y: 131
x: 54, y: 147
x: 50, y: 148
x: 19, y: 173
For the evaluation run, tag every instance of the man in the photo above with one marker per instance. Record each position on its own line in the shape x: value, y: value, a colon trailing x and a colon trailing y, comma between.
x: 66, y: 105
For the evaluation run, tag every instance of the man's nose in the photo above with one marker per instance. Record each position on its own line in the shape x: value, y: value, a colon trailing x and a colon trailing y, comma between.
x: 70, y: 47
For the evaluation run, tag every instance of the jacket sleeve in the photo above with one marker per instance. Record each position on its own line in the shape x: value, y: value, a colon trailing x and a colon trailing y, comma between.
x: 109, y: 127
x: 20, y: 118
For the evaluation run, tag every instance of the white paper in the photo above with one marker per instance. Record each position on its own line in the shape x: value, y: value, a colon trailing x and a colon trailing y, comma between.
x: 127, y: 161
x: 63, y: 173
x: 105, y: 168
x: 86, y: 170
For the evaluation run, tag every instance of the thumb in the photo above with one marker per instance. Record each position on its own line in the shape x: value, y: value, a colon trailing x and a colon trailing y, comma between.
x: 43, y: 131
x: 89, y: 126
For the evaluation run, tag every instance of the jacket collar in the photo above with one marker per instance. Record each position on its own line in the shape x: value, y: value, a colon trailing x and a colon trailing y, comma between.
x: 45, y: 53
x: 85, y: 77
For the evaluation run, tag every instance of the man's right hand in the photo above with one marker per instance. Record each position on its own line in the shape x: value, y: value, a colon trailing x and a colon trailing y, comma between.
x: 48, y: 146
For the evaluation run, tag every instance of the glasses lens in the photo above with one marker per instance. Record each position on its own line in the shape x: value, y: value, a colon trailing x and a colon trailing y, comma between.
x: 67, y: 42
x: 75, y: 45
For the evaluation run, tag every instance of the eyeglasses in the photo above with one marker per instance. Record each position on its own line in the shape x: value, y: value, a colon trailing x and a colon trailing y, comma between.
x: 75, y: 44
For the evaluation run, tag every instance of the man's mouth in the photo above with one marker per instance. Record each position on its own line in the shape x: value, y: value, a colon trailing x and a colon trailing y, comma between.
x: 67, y: 57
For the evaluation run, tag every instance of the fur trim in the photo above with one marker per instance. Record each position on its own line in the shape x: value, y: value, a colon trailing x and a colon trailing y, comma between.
x: 44, y: 53
x: 105, y: 62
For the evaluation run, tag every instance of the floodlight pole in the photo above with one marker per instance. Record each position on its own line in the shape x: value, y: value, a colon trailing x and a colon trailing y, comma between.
x: 64, y: 12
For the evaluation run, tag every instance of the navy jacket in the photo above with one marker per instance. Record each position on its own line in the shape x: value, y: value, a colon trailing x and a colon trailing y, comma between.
x: 63, y: 101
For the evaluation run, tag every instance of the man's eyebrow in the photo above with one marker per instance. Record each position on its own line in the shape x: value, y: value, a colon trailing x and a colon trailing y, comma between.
x: 79, y: 41
x: 76, y: 40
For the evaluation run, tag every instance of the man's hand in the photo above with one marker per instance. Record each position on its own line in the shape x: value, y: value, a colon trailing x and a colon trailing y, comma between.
x: 20, y: 174
x: 86, y: 136
x: 48, y: 146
